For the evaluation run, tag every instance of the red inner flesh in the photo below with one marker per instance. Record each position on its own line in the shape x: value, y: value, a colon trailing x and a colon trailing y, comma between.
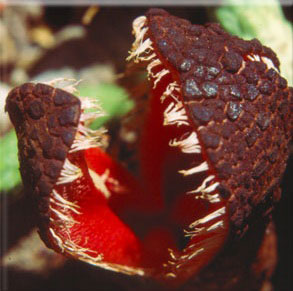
x: 142, y: 219
x: 98, y: 229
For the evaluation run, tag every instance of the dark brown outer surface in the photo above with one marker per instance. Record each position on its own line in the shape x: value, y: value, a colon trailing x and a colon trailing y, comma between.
x: 45, y: 119
x: 243, y: 119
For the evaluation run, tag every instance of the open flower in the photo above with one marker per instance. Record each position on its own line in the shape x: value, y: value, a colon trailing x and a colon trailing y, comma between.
x: 212, y: 148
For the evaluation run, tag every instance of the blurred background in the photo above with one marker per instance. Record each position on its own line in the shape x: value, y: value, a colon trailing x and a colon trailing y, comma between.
x: 41, y: 43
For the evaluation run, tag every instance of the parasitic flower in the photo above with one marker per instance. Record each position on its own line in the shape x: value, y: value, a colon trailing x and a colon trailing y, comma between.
x: 212, y: 148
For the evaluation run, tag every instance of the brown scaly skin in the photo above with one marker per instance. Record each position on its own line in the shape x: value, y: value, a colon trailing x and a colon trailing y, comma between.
x: 242, y: 115
x: 45, y: 120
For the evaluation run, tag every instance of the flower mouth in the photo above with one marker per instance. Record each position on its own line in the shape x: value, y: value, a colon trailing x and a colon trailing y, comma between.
x: 94, y: 199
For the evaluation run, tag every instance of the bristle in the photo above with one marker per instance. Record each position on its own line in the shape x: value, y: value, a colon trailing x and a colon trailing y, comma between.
x: 196, y: 229
x: 76, y: 250
x: 65, y: 206
x: 143, y: 48
x: 154, y: 63
x: 169, y: 92
x: 87, y: 138
x: 205, y: 191
x: 242, y: 67
x: 209, y: 217
x: 138, y: 25
x: 211, y: 188
x: 120, y: 268
x: 175, y: 114
x: 201, y: 168
x: 212, y: 198
x: 147, y: 57
x: 189, y: 145
x: 64, y: 218
x: 253, y: 58
x: 82, y: 253
x: 269, y: 63
x: 195, y: 253
x: 59, y: 198
x: 158, y: 76
x: 216, y: 225
x: 203, y: 186
x: 193, y: 232
x: 140, y: 45
x: 189, y: 253
x: 69, y: 173
x: 95, y: 107
x: 57, y: 239
x: 256, y: 58
x: 171, y: 275
x: 92, y: 103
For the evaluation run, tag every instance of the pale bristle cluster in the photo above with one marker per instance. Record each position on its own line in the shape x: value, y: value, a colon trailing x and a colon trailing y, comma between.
x: 196, y: 227
x: 70, y: 247
x: 170, y: 90
x: 187, y: 145
x: 96, y: 110
x: 62, y: 210
x: 89, y: 256
x: 69, y: 173
x: 194, y: 170
x: 205, y: 191
x: 195, y: 249
x: 62, y: 213
x: 142, y: 47
x: 91, y: 110
x: 86, y: 137
x: 175, y: 115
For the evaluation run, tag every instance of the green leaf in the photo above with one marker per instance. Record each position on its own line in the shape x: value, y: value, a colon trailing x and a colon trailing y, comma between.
x: 264, y: 20
x: 113, y: 99
x: 232, y: 20
x: 9, y: 166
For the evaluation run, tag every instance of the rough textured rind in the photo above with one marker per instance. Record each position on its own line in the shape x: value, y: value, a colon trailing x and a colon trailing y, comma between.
x: 241, y: 106
x: 45, y: 119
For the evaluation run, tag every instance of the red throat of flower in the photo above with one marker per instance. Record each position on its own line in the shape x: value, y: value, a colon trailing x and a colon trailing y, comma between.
x: 212, y: 150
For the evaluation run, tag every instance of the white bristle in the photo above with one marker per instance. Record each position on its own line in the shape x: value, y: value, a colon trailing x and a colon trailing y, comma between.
x: 175, y: 114
x: 208, y: 217
x: 200, y: 168
x: 189, y: 145
x: 69, y: 173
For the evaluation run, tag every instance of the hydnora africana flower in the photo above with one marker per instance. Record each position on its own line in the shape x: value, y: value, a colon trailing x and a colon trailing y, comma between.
x: 212, y: 150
